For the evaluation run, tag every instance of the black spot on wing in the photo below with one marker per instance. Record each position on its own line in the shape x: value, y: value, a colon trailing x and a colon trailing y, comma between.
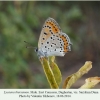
x: 45, y: 33
x: 43, y: 38
x: 61, y: 44
x: 47, y: 42
x: 51, y: 37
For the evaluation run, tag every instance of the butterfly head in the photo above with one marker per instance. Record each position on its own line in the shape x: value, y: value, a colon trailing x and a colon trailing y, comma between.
x: 40, y: 53
x: 36, y: 50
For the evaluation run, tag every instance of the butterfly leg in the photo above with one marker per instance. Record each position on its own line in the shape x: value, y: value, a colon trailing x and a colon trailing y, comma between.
x: 46, y: 56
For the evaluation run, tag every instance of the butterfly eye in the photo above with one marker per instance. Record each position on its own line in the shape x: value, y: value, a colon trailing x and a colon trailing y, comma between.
x: 36, y: 50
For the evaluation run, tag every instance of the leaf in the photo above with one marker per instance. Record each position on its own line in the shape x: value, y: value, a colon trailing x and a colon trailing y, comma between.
x: 56, y: 70
x: 49, y: 73
x: 90, y: 82
x: 70, y: 80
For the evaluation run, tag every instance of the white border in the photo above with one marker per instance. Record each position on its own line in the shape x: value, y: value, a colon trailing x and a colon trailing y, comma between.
x: 48, y: 94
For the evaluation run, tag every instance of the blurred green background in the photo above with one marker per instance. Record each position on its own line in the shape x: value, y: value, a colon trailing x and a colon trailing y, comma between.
x: 23, y: 20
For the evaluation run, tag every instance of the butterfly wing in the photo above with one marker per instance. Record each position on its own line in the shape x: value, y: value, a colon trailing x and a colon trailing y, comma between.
x: 56, y: 45
x: 52, y: 41
x: 50, y: 27
x: 66, y: 42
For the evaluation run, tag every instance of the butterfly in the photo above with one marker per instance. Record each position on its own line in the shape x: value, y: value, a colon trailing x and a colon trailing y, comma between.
x: 52, y: 41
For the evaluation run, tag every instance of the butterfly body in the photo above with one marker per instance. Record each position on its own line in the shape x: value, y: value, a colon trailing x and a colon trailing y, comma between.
x: 47, y: 53
x: 52, y: 41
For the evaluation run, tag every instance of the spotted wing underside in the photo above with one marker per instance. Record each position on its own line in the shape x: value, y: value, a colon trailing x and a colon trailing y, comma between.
x: 57, y: 44
x: 52, y: 40
x: 50, y: 28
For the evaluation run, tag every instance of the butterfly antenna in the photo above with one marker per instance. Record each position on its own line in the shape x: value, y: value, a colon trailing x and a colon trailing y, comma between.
x: 29, y: 46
